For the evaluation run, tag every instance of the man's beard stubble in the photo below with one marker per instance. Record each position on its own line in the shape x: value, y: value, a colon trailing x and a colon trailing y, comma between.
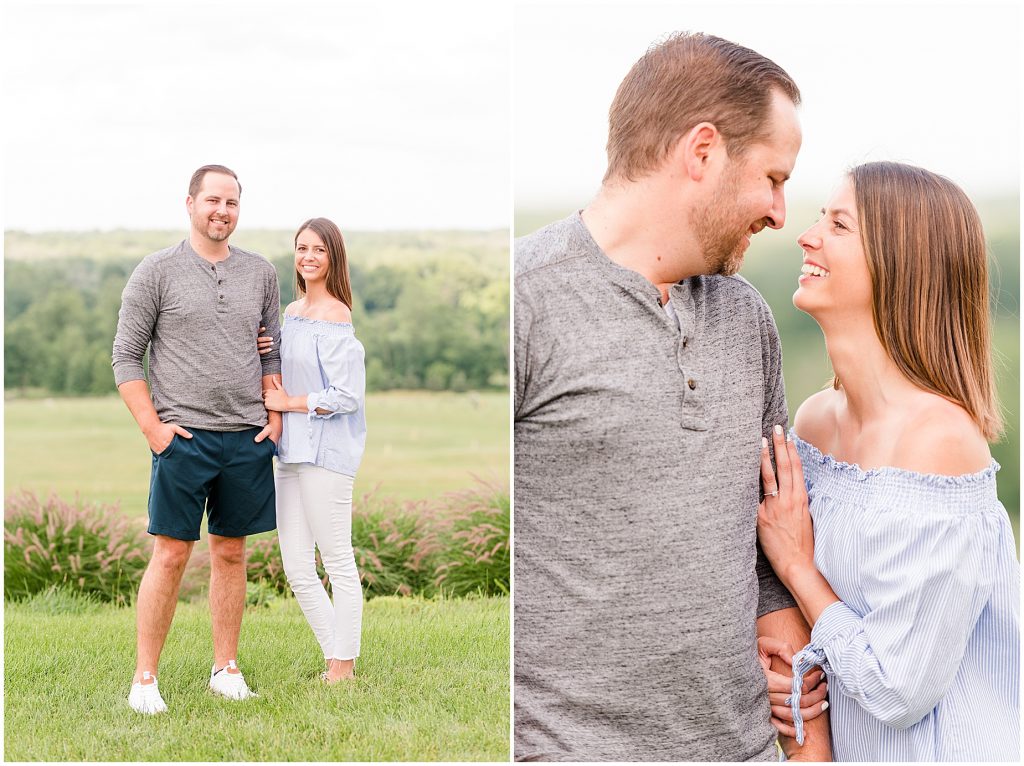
x: 206, y: 229
x: 719, y: 232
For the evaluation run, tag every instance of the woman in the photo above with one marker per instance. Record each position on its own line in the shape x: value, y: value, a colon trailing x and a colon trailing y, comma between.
x: 909, y: 576
x: 322, y: 443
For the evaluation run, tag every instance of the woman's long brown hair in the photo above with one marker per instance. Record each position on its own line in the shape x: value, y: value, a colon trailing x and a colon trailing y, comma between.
x: 926, y: 253
x: 338, y: 282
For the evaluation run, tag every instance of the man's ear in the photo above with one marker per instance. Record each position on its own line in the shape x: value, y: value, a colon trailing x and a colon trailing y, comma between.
x: 188, y: 204
x: 694, y: 151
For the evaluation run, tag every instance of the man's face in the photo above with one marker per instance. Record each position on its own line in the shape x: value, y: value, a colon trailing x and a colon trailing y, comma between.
x: 214, y: 209
x: 750, y: 193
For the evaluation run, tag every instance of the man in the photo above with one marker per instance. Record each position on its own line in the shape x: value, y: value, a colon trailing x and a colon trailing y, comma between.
x: 645, y: 376
x: 197, y: 307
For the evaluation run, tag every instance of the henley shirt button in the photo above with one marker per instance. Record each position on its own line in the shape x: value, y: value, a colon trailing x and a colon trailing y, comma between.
x: 692, y: 384
x: 222, y: 298
x: 685, y: 341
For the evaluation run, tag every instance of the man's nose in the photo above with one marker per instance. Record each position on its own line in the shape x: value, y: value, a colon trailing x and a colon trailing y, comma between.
x: 776, y: 217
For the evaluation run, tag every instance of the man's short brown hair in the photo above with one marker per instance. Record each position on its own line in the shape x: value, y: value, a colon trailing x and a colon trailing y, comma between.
x: 687, y: 79
x: 196, y: 183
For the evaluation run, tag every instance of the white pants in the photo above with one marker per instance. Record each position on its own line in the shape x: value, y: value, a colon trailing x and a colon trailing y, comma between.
x: 314, y: 508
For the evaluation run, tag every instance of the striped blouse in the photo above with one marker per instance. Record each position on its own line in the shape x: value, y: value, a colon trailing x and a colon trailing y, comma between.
x: 922, y: 652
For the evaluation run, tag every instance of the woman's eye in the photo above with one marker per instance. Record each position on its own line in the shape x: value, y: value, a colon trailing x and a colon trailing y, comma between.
x: 838, y: 225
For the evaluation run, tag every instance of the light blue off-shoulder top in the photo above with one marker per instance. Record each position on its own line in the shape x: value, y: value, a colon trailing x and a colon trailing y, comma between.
x: 922, y: 652
x: 325, y: 360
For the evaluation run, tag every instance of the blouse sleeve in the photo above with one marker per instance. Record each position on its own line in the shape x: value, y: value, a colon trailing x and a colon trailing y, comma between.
x: 341, y: 366
x: 926, y: 576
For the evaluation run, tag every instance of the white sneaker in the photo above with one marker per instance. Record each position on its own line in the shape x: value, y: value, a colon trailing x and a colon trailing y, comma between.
x: 145, y: 698
x: 230, y: 685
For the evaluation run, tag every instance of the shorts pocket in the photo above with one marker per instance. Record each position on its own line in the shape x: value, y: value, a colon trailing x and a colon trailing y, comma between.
x: 169, y: 448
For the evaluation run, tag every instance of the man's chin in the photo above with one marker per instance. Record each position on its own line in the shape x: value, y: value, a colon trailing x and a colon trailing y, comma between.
x: 730, y: 265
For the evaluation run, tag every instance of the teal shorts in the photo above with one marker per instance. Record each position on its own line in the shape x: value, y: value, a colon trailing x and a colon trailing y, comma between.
x: 224, y: 473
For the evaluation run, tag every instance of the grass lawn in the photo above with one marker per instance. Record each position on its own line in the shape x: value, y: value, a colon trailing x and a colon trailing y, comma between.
x: 419, y: 445
x: 433, y: 684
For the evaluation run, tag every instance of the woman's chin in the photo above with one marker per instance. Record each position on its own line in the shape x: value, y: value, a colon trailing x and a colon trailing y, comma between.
x: 803, y: 301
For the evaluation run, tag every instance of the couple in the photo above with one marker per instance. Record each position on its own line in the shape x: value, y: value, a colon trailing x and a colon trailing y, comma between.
x: 216, y: 413
x: 649, y: 403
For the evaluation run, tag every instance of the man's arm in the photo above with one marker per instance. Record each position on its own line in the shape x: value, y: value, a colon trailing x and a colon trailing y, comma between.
x: 135, y: 394
x: 275, y: 423
x: 135, y: 322
x: 788, y: 625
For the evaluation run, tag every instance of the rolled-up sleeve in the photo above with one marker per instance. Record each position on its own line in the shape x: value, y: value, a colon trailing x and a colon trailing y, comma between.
x: 343, y: 370
x: 136, y: 319
x: 927, y: 593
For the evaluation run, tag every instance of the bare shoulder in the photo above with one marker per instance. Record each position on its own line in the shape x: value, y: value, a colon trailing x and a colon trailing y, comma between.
x: 294, y: 308
x: 338, y: 312
x: 941, y: 438
x: 815, y: 420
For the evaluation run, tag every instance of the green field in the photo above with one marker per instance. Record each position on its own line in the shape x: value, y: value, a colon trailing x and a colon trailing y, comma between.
x: 419, y: 445
x: 432, y: 685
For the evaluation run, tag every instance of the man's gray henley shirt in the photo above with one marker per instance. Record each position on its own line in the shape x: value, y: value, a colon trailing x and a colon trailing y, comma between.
x: 200, y: 321
x: 638, y: 580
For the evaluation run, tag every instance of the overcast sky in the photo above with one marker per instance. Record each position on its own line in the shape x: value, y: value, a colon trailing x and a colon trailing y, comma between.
x: 934, y: 84
x: 397, y: 114
x: 379, y: 115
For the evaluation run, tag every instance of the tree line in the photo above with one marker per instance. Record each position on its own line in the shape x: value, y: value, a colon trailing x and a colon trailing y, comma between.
x: 436, y: 322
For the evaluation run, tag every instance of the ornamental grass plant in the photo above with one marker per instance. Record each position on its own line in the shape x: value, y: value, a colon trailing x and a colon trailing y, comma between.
x: 475, y: 538
x: 81, y: 547
x: 455, y: 545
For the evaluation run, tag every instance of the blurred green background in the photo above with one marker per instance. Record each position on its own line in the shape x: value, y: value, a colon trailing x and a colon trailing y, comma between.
x: 773, y: 262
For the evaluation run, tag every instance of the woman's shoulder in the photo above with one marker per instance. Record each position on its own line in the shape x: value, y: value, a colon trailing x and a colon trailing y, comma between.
x: 337, y: 312
x: 333, y: 311
x: 815, y: 420
x: 940, y: 437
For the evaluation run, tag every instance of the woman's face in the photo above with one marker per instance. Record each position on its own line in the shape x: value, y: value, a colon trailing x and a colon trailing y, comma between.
x: 834, y: 278
x: 311, y: 259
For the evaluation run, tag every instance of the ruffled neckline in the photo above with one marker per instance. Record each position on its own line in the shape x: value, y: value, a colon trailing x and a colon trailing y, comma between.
x: 307, y: 320
x: 855, y: 472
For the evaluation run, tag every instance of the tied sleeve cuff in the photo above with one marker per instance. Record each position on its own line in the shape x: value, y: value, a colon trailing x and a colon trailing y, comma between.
x: 334, y: 401
x: 836, y: 620
x: 803, y: 661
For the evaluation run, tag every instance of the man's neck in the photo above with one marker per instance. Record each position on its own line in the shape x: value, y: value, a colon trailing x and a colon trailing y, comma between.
x: 207, y: 249
x: 637, y: 233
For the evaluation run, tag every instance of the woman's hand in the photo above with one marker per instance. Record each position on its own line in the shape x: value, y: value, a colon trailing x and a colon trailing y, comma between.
x: 780, y: 686
x: 276, y: 398
x: 784, y: 525
x: 264, y: 343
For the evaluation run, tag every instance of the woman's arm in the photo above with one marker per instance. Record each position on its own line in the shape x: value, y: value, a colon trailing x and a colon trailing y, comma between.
x: 276, y: 399
x: 785, y: 529
x: 923, y: 575
x: 341, y: 360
